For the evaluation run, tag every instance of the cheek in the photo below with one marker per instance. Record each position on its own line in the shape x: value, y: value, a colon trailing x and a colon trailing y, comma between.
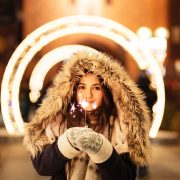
x: 78, y: 96
x: 100, y: 99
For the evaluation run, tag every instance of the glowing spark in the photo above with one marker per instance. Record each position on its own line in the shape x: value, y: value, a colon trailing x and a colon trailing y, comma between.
x: 84, y: 103
x: 94, y: 105
x: 73, y: 108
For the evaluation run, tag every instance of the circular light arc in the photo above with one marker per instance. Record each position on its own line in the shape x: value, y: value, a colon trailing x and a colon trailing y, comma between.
x: 66, y: 26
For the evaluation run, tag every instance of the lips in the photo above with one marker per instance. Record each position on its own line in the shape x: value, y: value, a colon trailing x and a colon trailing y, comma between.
x: 90, y: 102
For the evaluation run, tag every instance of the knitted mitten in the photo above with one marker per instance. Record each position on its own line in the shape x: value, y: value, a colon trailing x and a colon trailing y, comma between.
x: 66, y: 146
x: 96, y: 145
x: 72, y: 134
x: 78, y: 139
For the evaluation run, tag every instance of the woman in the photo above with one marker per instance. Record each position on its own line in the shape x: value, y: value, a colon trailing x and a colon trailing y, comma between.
x: 93, y: 123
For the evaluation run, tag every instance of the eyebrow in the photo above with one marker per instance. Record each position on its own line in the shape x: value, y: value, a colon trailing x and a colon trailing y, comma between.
x: 92, y: 84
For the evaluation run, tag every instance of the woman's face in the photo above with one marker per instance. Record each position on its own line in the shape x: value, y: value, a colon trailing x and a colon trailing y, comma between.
x: 89, y: 92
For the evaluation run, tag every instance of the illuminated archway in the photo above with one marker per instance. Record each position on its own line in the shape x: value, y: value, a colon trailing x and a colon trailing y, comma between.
x: 67, y: 26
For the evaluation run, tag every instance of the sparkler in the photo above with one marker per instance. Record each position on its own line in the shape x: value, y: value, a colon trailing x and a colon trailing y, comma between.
x: 82, y: 104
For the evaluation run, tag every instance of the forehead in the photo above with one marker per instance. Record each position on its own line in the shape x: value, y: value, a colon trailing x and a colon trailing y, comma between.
x: 90, y: 78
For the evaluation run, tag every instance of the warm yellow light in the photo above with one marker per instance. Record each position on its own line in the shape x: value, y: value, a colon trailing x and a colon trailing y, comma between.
x: 144, y: 32
x: 90, y: 7
x: 177, y: 65
x: 68, y: 26
x: 162, y: 32
x: 157, y: 43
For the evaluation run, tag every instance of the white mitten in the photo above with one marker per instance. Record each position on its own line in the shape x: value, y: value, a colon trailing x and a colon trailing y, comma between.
x: 72, y: 134
x: 66, y: 147
x: 96, y: 145
x: 67, y: 141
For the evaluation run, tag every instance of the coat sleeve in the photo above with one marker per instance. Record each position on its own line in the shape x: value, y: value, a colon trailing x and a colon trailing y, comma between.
x: 118, y: 166
x: 50, y: 161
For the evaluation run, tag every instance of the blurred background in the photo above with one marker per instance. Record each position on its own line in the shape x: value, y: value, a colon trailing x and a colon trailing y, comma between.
x: 157, y: 23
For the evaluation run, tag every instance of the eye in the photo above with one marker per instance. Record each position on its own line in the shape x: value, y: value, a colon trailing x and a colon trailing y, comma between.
x: 81, y: 87
x: 98, y: 88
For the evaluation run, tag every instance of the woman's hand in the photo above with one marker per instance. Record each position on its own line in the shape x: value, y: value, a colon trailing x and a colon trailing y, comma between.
x: 89, y: 141
x: 73, y: 133
x: 94, y: 144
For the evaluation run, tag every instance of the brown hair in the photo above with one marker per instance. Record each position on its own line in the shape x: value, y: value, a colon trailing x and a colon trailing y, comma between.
x: 78, y: 117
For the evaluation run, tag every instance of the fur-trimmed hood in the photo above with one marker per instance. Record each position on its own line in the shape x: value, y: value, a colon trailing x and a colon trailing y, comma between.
x: 129, y: 101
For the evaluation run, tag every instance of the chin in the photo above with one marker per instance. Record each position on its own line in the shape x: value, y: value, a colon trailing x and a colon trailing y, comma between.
x: 89, y: 109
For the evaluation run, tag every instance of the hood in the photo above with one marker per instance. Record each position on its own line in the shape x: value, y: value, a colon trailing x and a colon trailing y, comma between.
x: 129, y: 101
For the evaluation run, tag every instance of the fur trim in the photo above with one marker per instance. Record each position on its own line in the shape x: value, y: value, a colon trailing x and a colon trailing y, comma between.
x: 129, y: 100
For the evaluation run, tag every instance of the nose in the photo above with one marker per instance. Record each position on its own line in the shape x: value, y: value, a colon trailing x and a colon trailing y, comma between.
x: 88, y: 93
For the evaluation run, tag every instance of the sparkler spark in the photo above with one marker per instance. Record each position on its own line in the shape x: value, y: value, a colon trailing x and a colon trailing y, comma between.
x: 81, y: 107
x: 94, y: 106
x: 84, y: 104
x: 73, y: 108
